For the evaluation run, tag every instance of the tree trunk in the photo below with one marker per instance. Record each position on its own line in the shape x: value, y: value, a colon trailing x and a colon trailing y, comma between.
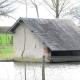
x: 57, y: 8
x: 26, y: 7
x: 37, y: 11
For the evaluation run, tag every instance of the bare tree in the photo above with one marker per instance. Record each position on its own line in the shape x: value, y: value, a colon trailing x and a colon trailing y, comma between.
x: 75, y: 12
x: 36, y: 7
x: 31, y: 3
x: 6, y: 7
x: 59, y: 6
x: 24, y: 2
x: 26, y: 7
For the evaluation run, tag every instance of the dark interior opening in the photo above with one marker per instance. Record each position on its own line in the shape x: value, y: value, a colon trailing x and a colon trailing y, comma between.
x: 65, y: 53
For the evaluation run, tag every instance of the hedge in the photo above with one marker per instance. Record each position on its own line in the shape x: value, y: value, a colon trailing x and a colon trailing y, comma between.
x: 6, y: 39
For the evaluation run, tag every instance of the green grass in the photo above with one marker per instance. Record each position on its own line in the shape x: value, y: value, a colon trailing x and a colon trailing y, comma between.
x: 6, y: 52
x: 6, y: 46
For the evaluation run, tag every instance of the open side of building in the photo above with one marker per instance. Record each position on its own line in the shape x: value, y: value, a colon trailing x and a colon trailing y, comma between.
x: 57, y: 39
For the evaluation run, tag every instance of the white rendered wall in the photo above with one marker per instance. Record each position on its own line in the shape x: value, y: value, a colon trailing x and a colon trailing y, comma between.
x: 34, y: 46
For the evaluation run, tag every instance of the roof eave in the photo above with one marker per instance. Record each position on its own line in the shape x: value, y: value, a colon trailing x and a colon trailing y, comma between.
x: 15, y: 25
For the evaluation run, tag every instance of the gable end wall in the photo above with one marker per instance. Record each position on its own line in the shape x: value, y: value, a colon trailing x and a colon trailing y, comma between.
x: 34, y: 49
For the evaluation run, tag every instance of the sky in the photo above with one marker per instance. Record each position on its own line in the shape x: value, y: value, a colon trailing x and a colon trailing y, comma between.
x: 20, y: 12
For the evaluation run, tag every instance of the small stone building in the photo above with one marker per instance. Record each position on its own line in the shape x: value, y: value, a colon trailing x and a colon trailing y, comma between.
x: 57, y: 39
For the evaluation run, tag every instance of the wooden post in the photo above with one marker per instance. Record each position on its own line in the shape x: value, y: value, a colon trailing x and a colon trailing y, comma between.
x: 43, y: 68
x: 25, y: 70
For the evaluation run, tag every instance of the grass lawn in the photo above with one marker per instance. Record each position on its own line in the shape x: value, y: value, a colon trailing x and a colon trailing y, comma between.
x: 6, y: 52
